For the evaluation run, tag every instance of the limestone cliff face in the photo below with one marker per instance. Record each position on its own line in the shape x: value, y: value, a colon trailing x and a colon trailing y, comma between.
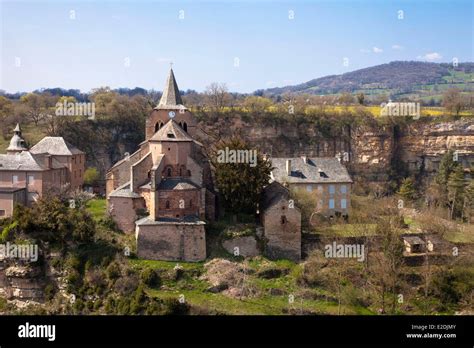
x: 372, y: 149
x: 423, y: 146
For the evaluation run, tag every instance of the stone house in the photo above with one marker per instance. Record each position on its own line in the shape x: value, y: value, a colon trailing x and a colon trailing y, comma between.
x: 324, y: 177
x: 164, y: 190
x: 281, y: 221
x: 25, y: 175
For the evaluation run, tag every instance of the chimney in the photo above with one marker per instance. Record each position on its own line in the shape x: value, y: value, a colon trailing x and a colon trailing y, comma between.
x: 305, y: 159
x: 288, y: 167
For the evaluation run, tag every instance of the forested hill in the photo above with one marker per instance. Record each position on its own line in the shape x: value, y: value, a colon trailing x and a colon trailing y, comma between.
x: 401, y: 75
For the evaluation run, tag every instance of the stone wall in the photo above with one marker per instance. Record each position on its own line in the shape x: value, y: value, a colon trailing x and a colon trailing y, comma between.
x: 282, y: 231
x: 171, y: 242
x: 123, y: 211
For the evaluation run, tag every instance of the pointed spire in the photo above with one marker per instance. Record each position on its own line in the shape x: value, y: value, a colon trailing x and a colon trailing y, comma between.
x: 171, y: 98
x: 17, y: 143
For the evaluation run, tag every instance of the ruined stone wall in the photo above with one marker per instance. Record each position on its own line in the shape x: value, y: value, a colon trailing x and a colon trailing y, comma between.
x: 171, y: 242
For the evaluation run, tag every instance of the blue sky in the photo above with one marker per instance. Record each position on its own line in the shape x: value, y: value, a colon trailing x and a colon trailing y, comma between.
x: 44, y: 44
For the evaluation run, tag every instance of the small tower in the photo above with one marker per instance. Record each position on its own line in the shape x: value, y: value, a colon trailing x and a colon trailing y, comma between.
x: 17, y: 143
x: 170, y: 107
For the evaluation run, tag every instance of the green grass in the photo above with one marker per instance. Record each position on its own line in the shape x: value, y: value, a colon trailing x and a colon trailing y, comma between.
x: 350, y: 230
x: 464, y: 235
x: 97, y: 208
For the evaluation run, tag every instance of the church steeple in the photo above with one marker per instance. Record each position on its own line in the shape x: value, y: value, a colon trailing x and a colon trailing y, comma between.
x: 171, y: 98
x: 17, y: 143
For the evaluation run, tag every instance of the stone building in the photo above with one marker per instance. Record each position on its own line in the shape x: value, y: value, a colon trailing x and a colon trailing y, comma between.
x: 324, y: 177
x: 25, y: 175
x: 164, y: 191
x: 281, y: 221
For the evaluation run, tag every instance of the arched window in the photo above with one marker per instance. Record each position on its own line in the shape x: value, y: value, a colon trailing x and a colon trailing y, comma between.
x: 283, y: 219
x: 185, y: 127
x: 167, y: 204
x: 158, y: 126
x: 189, y: 172
x: 168, y: 172
x: 190, y: 202
x: 180, y: 171
x: 181, y: 124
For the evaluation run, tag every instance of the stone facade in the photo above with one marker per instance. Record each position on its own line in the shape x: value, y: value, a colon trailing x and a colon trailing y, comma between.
x: 168, y: 181
x: 171, y: 241
x: 281, y: 223
x: 325, y: 178
x: 28, y: 174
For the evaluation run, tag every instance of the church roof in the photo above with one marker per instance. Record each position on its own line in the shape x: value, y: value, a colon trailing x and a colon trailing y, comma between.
x: 177, y: 184
x: 171, y: 131
x: 171, y: 98
x: 55, y: 146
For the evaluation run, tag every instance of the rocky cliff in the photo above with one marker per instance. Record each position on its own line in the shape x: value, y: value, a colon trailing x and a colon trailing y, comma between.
x: 373, y: 149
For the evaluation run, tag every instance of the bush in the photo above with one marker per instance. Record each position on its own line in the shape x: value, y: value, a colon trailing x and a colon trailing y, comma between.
x: 49, y: 292
x: 150, y: 277
x: 174, y: 307
x: 113, y: 271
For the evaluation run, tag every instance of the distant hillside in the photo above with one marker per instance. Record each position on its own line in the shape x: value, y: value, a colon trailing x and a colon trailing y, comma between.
x: 393, y: 78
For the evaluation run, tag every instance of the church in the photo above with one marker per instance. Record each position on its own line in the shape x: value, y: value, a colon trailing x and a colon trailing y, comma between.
x: 164, y: 191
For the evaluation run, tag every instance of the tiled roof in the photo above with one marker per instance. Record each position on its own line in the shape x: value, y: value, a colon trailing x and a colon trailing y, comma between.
x: 171, y: 131
x: 177, y: 184
x: 55, y: 146
x: 272, y: 194
x: 171, y: 98
x: 27, y: 161
x: 316, y: 170
x: 413, y: 240
x: 124, y: 191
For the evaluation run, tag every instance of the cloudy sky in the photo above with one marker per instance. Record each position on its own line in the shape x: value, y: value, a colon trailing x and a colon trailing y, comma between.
x: 246, y: 44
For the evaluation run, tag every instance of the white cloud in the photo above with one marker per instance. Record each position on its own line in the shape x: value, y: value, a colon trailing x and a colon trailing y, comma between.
x: 397, y: 47
x: 377, y: 50
x: 431, y: 56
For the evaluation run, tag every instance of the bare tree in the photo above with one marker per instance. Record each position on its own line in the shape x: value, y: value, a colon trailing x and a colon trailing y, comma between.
x: 453, y: 100
x: 217, y: 95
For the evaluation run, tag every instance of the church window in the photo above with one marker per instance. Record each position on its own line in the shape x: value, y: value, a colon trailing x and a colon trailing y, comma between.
x: 283, y: 219
x: 167, y: 204
x: 185, y: 127
x: 189, y: 173
x: 190, y: 202
x: 169, y: 172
